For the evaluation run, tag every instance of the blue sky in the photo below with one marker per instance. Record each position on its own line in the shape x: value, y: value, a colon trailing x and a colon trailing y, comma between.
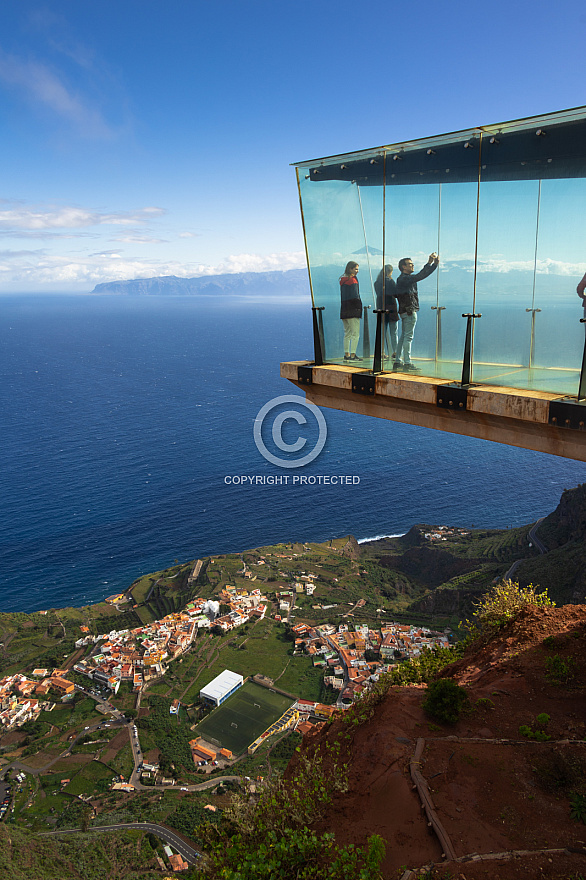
x: 148, y: 138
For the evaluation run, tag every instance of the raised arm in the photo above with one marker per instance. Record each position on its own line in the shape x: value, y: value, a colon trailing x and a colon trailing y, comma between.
x: 429, y: 267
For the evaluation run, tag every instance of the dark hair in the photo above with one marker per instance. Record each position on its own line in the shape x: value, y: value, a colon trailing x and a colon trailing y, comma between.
x: 349, y: 266
x: 402, y: 262
x: 385, y: 271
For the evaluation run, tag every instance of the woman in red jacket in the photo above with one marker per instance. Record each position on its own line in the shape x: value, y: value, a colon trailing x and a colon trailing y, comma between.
x: 350, y: 310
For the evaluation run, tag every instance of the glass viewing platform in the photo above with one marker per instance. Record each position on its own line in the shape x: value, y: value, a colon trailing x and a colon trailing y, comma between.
x: 495, y: 321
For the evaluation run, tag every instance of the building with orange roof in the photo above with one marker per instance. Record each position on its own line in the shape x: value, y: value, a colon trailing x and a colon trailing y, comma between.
x: 61, y: 684
x: 178, y: 863
x: 324, y: 710
x: 304, y: 727
x: 199, y: 752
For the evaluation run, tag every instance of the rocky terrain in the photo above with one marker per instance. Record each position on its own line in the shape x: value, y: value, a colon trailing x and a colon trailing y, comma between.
x: 499, y: 797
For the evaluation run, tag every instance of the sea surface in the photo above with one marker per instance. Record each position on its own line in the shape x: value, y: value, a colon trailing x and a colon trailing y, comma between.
x: 124, y: 421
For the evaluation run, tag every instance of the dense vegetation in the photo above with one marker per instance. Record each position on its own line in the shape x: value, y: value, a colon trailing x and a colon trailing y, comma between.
x: 172, y: 739
x: 120, y: 856
x: 271, y: 838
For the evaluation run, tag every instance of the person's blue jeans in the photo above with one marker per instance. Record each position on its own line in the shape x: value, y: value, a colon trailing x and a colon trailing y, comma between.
x: 408, y: 323
x: 393, y: 331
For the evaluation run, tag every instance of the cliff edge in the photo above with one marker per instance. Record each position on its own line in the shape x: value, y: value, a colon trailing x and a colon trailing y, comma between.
x: 500, y: 781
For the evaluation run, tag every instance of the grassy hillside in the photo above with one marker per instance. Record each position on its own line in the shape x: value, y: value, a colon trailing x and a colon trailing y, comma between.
x: 121, y: 856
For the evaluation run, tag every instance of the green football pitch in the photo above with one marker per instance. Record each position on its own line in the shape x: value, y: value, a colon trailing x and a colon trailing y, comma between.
x: 245, y: 715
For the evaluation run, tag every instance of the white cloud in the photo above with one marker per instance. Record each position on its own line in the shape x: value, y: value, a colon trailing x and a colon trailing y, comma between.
x: 43, y: 87
x: 259, y: 263
x: 139, y: 239
x: 38, y: 270
x: 23, y: 221
x: 16, y: 255
x: 544, y: 267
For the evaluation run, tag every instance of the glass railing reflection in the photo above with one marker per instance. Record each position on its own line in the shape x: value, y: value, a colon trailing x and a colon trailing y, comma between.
x: 484, y: 341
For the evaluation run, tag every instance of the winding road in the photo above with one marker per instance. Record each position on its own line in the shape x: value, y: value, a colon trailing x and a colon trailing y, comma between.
x: 533, y: 539
x: 190, y: 854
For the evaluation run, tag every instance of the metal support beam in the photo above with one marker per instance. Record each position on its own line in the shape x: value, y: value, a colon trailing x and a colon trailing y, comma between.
x: 379, y: 341
x: 305, y: 375
x: 363, y: 383
x: 366, y: 335
x: 466, y: 363
x: 318, y: 330
x: 452, y: 396
x: 438, y: 331
x: 582, y: 386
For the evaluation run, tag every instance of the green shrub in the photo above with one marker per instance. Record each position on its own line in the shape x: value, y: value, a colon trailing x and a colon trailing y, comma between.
x: 558, y: 670
x: 427, y: 665
x: 539, y: 733
x: 578, y: 807
x: 445, y: 700
x: 502, y: 604
x: 484, y: 703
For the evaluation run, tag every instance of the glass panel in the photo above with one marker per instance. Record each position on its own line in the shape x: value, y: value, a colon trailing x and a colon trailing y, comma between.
x: 456, y: 275
x: 336, y: 215
x: 558, y: 341
x: 507, y: 229
x: 412, y: 230
x: 371, y: 263
x: 519, y: 269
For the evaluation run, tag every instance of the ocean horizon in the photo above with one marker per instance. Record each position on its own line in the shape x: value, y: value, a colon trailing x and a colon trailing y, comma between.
x: 126, y: 419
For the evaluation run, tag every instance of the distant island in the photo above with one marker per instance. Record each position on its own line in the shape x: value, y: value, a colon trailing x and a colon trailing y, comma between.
x: 296, y: 282
x: 290, y: 282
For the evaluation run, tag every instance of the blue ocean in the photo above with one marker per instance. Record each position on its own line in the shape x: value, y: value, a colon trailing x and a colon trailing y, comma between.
x: 125, y: 421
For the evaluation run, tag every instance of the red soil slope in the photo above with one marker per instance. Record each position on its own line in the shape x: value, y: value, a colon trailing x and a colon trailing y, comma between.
x: 492, y: 790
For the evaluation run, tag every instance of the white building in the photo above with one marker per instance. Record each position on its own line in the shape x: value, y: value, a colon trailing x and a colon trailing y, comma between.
x: 222, y: 687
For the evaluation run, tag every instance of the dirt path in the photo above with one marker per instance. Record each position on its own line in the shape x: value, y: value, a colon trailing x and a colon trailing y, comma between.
x: 275, y: 680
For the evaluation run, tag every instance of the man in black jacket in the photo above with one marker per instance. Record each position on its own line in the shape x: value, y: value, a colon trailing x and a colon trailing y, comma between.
x: 408, y: 299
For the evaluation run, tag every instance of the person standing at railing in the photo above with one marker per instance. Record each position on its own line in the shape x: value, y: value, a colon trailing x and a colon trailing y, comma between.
x: 408, y: 299
x: 350, y: 310
x: 581, y: 291
x: 386, y: 301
